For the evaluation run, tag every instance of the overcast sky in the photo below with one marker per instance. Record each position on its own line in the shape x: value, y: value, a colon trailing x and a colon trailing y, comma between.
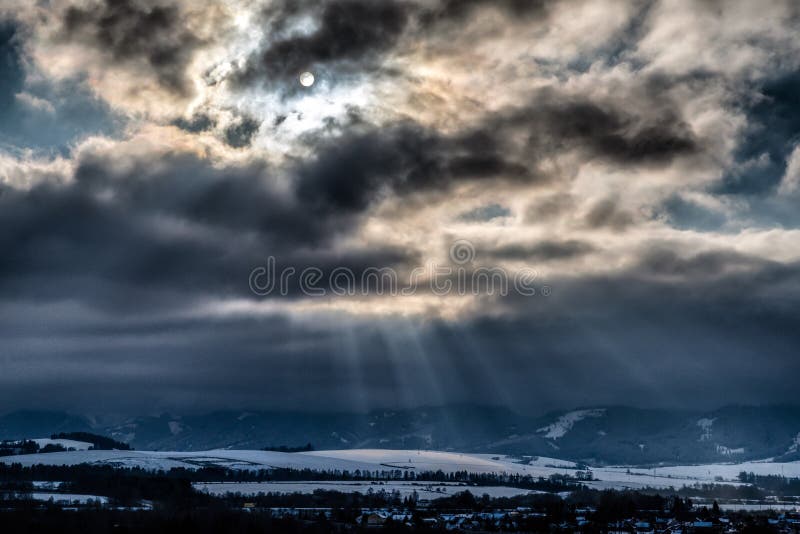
x: 636, y: 162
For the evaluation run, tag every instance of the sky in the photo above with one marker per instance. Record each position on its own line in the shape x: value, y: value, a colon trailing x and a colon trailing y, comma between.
x: 541, y: 204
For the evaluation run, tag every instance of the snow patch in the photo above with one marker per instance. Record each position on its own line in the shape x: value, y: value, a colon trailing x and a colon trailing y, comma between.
x: 795, y: 444
x: 707, y: 425
x: 727, y: 451
x: 69, y: 498
x: 176, y: 428
x: 424, y: 490
x: 564, y: 424
x: 46, y: 485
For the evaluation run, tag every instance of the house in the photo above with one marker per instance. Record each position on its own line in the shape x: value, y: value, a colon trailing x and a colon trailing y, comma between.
x: 373, y: 519
x: 401, y: 518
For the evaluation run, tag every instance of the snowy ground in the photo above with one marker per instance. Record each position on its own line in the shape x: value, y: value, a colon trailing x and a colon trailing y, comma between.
x: 759, y: 507
x: 425, y: 490
x: 418, y: 461
x: 69, y: 498
x: 191, y: 460
x: 448, y: 461
x: 687, y: 475
x: 46, y: 485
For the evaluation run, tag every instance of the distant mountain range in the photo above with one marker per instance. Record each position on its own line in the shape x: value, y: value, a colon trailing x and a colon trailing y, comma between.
x: 603, y: 435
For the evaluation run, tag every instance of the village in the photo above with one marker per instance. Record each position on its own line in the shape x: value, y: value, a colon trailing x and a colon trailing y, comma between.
x: 525, y: 519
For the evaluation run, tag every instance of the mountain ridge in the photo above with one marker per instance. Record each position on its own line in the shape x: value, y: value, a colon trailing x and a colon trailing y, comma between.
x: 598, y: 435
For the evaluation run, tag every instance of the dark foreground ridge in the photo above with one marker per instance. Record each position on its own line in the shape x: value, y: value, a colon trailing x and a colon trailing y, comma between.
x: 90, y: 499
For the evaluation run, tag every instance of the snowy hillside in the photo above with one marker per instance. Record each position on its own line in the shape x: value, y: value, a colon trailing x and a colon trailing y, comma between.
x: 564, y: 423
x: 425, y: 490
x: 417, y: 460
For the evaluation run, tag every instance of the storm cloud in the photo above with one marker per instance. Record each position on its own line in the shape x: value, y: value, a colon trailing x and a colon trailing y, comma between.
x: 349, y: 33
x: 148, y: 35
x: 636, y: 162
x: 173, y: 233
x: 352, y: 37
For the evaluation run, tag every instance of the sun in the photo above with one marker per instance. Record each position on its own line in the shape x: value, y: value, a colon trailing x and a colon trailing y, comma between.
x: 306, y: 79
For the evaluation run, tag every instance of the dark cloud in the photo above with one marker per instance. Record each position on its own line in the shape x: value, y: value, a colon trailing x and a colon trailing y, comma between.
x: 170, y: 231
x: 197, y: 123
x: 515, y: 7
x: 93, y: 264
x: 11, y: 66
x: 543, y: 252
x: 632, y: 337
x: 608, y: 214
x: 241, y: 132
x: 352, y: 36
x: 360, y: 162
x: 137, y: 31
x: 549, y: 208
x: 350, y: 33
x: 684, y: 340
x: 183, y: 226
x: 452, y: 12
x: 665, y: 262
x: 351, y: 171
x: 606, y: 130
x: 410, y: 158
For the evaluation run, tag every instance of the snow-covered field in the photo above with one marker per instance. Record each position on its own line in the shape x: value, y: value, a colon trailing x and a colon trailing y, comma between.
x: 69, y: 498
x: 726, y: 473
x: 416, y: 460
x: 191, y: 460
x: 425, y: 490
x: 783, y: 507
x: 447, y: 461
